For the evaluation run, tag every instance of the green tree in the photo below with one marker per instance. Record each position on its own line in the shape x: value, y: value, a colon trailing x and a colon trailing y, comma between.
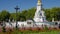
x: 23, y: 15
x: 31, y: 13
x: 48, y: 15
x: 12, y: 16
x: 52, y: 13
x: 5, y: 15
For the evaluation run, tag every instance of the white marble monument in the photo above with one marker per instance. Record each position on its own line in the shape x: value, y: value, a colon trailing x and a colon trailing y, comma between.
x: 39, y: 14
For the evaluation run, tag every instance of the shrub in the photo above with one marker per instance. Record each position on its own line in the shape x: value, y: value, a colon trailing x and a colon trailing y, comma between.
x: 4, y: 30
x: 46, y: 28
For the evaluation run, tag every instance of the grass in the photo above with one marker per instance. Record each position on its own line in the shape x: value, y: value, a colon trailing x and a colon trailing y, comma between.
x: 31, y: 32
x: 44, y: 31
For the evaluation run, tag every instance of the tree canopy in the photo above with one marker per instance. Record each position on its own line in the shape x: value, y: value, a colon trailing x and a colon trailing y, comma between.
x: 27, y: 14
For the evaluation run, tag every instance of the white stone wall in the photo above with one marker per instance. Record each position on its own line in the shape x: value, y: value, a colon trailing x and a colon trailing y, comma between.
x: 24, y: 24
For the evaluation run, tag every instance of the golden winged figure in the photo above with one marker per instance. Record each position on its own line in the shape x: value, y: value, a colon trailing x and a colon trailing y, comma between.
x: 39, y: 2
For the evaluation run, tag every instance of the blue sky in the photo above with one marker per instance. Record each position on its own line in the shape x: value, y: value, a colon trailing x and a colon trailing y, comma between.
x: 26, y: 4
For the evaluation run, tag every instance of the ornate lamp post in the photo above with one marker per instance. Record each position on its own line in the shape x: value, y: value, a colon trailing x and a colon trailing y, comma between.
x: 16, y: 8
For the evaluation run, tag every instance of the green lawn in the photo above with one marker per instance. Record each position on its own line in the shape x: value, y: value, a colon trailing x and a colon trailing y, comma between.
x: 31, y: 32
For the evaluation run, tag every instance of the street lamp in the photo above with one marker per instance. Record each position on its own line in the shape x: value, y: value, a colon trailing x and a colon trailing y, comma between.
x: 16, y: 8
